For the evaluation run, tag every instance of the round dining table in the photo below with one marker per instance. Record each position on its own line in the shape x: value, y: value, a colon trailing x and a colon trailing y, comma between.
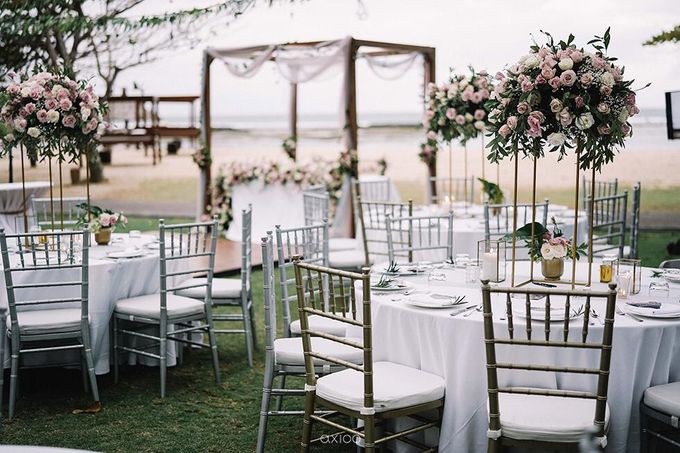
x: 12, y: 202
x: 135, y: 271
x: 449, y: 342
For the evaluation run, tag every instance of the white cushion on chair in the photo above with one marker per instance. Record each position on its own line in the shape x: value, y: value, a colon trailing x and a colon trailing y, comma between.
x: 347, y: 259
x: 222, y: 288
x: 338, y: 244
x: 322, y: 324
x: 664, y: 398
x: 35, y: 322
x: 394, y: 386
x: 546, y: 418
x: 288, y: 351
x: 149, y: 306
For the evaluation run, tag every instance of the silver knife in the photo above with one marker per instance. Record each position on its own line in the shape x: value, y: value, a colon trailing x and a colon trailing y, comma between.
x: 463, y: 310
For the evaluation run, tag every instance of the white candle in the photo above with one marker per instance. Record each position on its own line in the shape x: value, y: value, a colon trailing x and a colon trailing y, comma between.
x: 490, y: 265
x: 624, y: 283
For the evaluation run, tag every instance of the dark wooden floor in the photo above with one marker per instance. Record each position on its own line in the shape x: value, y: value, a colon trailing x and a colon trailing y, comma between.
x: 228, y: 257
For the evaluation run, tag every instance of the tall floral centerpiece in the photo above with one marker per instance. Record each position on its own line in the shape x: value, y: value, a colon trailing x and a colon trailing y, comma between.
x: 560, y: 97
x: 49, y: 115
x: 455, y: 110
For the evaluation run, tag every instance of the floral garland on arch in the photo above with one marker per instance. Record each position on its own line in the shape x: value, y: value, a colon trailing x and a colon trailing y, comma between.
x: 559, y: 95
x: 331, y: 173
x: 50, y: 115
x: 455, y: 110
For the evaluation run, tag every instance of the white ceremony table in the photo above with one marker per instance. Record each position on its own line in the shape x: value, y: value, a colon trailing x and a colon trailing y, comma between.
x: 12, y: 201
x: 644, y: 354
x: 109, y: 281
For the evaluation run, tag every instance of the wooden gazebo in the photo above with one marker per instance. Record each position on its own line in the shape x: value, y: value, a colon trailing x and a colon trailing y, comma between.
x: 300, y: 62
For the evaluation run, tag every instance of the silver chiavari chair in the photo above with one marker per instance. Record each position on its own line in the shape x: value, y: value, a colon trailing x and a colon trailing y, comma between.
x: 316, y: 206
x: 380, y: 190
x: 420, y: 238
x: 372, y: 216
x: 608, y: 223
x: 602, y: 188
x: 453, y: 188
x: 47, y: 314
x: 372, y: 392
x: 185, y: 250
x: 43, y: 211
x: 285, y: 356
x: 516, y: 411
x: 635, y: 223
x: 232, y: 292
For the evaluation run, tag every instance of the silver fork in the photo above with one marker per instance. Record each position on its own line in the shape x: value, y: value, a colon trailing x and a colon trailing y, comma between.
x: 478, y: 309
x: 631, y: 316
x: 594, y: 314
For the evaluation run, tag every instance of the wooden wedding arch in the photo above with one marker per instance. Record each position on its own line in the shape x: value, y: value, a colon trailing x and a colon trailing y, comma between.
x: 249, y: 59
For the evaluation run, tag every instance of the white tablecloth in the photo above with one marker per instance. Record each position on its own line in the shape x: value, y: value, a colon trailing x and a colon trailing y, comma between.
x: 110, y: 281
x: 644, y: 354
x: 12, y: 201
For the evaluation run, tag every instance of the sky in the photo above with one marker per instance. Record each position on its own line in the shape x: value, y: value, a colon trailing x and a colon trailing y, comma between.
x: 488, y: 34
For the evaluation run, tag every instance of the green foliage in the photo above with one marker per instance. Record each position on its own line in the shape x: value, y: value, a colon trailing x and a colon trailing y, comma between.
x: 672, y: 36
x: 493, y: 192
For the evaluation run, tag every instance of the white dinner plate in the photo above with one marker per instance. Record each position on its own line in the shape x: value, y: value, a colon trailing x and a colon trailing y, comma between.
x: 426, y: 301
x: 125, y: 254
x: 672, y: 276
x: 668, y: 310
x: 556, y: 313
x: 393, y: 286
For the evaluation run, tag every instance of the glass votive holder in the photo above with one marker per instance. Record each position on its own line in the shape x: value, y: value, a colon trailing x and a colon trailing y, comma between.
x: 624, y: 284
x: 633, y: 270
x: 472, y: 272
x: 462, y: 259
x: 659, y: 290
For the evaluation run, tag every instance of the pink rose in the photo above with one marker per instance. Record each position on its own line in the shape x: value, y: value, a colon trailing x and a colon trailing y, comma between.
x: 23, y: 112
x: 555, y: 83
x: 568, y: 78
x: 578, y: 100
x: 550, y: 62
x: 431, y: 135
x: 30, y: 108
x: 548, y: 72
x: 540, y: 80
x: 42, y: 115
x: 586, y: 79
x: 69, y: 121
x: 626, y: 129
x: 630, y: 99
x: 479, y: 114
x: 605, y: 90
x: 534, y: 126
x: 504, y: 130
x: 543, y: 52
x: 527, y: 86
x: 604, y: 129
x: 451, y: 113
x: 20, y: 124
x: 576, y: 56
x: 523, y: 107
x: 13, y: 88
x: 597, y: 62
x: 429, y: 114
x: 51, y: 104
x: 499, y: 76
x: 85, y: 96
x: 511, y: 122
x: 460, y: 119
x: 616, y: 72
x: 484, y: 93
x: 565, y: 117
x: 65, y: 104
x: 36, y: 92
x: 537, y: 115
x: 476, y: 97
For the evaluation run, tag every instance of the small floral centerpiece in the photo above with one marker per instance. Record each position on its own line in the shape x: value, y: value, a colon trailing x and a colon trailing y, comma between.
x: 50, y: 115
x: 550, y: 247
x: 559, y: 97
x: 102, y: 222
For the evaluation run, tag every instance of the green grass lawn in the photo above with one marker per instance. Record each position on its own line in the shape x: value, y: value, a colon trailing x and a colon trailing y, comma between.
x: 196, y: 415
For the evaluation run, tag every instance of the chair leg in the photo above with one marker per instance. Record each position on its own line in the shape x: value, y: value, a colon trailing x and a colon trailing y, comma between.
x: 369, y: 433
x: 3, y: 337
x: 115, y: 338
x: 310, y: 400
x: 90, y: 363
x: 495, y: 446
x: 279, y: 398
x: 247, y: 325
x: 644, y: 425
x: 253, y: 327
x: 213, y: 349
x: 264, y: 405
x: 83, y: 373
x: 163, y: 359
x: 13, y: 377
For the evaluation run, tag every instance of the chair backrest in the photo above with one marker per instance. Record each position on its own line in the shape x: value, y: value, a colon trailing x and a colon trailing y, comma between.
x: 454, y: 188
x: 246, y: 250
x: 558, y: 338
x: 317, y: 188
x: 45, y: 212
x: 187, y: 249
x: 46, y: 255
x: 379, y: 190
x: 498, y: 218
x: 602, y: 188
x: 372, y: 216
x: 608, y: 223
x: 670, y: 264
x: 269, y: 287
x: 316, y: 206
x: 331, y: 301
x: 635, y: 223
x: 412, y: 237
x: 311, y: 242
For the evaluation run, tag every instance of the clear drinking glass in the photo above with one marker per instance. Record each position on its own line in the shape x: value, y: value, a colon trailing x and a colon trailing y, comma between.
x: 462, y: 259
x: 472, y: 272
x: 659, y: 290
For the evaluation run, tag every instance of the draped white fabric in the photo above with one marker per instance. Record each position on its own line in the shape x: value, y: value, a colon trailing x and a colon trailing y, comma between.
x: 12, y: 202
x: 391, y: 67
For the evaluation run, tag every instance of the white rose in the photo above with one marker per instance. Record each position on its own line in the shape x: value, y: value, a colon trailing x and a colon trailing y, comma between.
x: 623, y: 115
x: 25, y: 91
x: 531, y: 61
x: 566, y: 63
x: 52, y: 116
x: 559, y: 251
x: 585, y: 121
x: 607, y: 79
x: 468, y: 117
x: 547, y: 251
x: 33, y: 132
x: 85, y: 113
x: 9, y: 137
x: 479, y: 125
x: 556, y: 139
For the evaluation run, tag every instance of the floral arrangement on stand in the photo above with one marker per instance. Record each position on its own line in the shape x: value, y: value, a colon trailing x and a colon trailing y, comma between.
x: 50, y: 115
x: 102, y: 222
x: 550, y: 247
x: 202, y: 157
x: 289, y: 146
x: 559, y: 96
